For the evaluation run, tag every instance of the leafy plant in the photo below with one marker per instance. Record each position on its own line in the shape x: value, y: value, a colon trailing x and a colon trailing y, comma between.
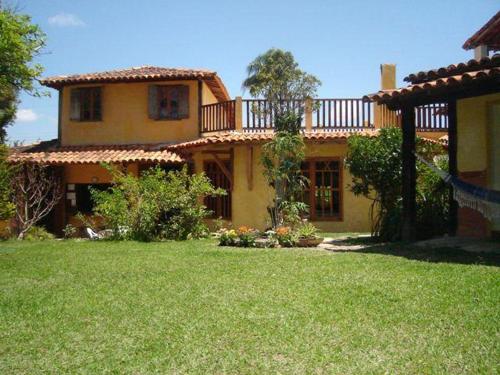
x: 286, y: 236
x: 20, y: 42
x: 227, y: 237
x: 246, y: 236
x: 375, y: 165
x: 275, y: 75
x: 37, y: 233
x: 69, y: 231
x: 155, y: 205
x: 307, y: 230
x: 7, y: 208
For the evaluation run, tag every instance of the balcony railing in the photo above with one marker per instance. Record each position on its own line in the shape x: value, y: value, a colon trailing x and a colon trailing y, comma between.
x: 321, y: 115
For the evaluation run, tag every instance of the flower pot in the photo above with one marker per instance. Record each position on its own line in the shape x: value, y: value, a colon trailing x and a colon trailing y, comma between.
x: 309, y: 242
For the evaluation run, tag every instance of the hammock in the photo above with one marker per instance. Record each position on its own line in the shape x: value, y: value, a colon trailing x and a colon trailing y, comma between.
x: 486, y: 201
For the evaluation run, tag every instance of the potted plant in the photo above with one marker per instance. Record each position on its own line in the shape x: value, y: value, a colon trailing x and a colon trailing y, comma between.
x: 307, y: 235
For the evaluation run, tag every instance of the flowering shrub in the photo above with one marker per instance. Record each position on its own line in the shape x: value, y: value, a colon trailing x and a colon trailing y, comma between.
x: 227, y: 237
x: 307, y: 230
x: 286, y: 236
x: 247, y: 236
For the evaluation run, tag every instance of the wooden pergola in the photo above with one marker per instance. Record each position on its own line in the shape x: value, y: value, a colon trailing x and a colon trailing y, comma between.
x: 443, y: 85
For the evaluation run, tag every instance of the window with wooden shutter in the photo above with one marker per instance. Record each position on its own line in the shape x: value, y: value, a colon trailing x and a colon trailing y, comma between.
x: 168, y: 102
x: 86, y: 104
x: 220, y: 206
x: 324, y: 191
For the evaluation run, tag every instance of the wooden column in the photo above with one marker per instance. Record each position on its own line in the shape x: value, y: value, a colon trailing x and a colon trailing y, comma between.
x: 409, y: 174
x: 452, y: 163
x: 200, y: 103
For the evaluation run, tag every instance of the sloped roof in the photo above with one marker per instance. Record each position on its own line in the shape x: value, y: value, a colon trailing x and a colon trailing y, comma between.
x: 241, y: 138
x: 454, y: 69
x: 456, y: 80
x: 142, y: 74
x: 49, y: 152
x: 488, y: 34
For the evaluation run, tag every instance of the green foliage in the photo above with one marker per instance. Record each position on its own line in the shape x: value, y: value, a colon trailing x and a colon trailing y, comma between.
x: 69, y: 231
x: 20, y: 42
x: 156, y: 205
x: 276, y: 76
x: 375, y: 164
x: 37, y: 233
x: 307, y: 230
x: 227, y: 237
x: 7, y: 208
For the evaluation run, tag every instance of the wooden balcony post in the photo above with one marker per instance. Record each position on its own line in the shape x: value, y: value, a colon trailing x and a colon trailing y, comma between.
x: 409, y: 174
x: 238, y: 114
x: 308, y: 114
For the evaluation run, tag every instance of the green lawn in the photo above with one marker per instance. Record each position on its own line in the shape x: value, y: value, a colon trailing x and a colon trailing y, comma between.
x: 192, y: 307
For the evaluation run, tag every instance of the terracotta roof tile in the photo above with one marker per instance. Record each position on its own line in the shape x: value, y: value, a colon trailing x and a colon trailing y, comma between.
x: 473, y: 76
x: 239, y: 138
x: 454, y: 69
x: 488, y: 34
x: 141, y: 74
x: 49, y: 152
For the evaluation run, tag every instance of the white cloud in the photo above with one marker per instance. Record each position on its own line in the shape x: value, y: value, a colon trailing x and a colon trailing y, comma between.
x: 65, y: 20
x: 26, y: 115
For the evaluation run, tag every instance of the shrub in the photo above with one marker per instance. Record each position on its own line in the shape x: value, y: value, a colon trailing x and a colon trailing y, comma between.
x: 246, y: 236
x: 69, y: 231
x: 286, y: 236
x: 36, y: 233
x: 156, y: 205
x: 375, y: 165
x: 307, y: 230
x: 227, y: 237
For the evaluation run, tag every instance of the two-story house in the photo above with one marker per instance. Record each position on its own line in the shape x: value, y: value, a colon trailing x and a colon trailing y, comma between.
x: 144, y: 116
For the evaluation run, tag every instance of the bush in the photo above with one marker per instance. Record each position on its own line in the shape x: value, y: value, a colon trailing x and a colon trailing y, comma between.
x: 156, y: 205
x: 227, y: 237
x: 69, y: 231
x: 307, y: 230
x: 36, y: 233
x: 247, y: 236
x: 375, y: 164
x: 286, y: 236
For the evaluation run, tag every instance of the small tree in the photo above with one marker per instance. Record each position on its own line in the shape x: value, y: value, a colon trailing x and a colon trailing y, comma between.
x: 6, y: 205
x: 276, y: 76
x: 20, y: 42
x: 375, y: 165
x: 36, y: 190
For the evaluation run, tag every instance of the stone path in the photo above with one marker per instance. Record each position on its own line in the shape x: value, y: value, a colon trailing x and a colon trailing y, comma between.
x: 340, y: 244
x: 474, y: 245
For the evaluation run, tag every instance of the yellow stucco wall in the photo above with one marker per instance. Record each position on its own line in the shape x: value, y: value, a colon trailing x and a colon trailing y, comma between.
x: 125, y: 117
x: 472, y: 132
x: 207, y: 96
x: 249, y: 207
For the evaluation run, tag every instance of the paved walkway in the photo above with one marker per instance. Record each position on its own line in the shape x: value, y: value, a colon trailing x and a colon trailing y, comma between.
x: 474, y: 245
x: 340, y: 244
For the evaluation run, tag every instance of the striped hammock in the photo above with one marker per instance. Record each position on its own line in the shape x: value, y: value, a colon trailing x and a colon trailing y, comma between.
x: 485, y: 201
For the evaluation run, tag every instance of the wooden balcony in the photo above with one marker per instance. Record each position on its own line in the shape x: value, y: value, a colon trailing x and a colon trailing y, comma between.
x: 320, y: 115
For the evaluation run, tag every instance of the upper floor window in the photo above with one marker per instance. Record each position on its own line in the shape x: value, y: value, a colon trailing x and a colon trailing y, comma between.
x: 86, y: 104
x: 169, y: 102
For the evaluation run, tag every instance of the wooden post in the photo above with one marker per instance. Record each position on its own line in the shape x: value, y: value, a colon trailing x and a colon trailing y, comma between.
x: 409, y: 174
x: 452, y: 163
x: 200, y: 103
x: 238, y: 114
x: 308, y: 114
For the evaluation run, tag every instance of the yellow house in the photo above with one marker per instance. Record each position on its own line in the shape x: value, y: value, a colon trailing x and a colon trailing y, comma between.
x: 147, y: 115
x: 471, y: 91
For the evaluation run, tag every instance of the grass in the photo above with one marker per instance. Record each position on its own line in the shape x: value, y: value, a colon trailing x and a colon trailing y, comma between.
x: 192, y: 307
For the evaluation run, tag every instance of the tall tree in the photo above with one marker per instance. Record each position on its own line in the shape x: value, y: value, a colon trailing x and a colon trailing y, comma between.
x: 276, y: 76
x: 20, y: 42
x: 6, y: 205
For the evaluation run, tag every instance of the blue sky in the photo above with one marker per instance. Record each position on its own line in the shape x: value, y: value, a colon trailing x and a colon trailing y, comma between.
x: 341, y: 42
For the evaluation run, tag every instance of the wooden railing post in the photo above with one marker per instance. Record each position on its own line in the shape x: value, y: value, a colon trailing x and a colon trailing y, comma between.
x: 238, y: 114
x: 308, y: 114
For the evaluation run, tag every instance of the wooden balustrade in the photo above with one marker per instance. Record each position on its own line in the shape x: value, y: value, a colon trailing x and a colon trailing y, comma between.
x: 342, y: 114
x: 255, y: 115
x: 218, y: 116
